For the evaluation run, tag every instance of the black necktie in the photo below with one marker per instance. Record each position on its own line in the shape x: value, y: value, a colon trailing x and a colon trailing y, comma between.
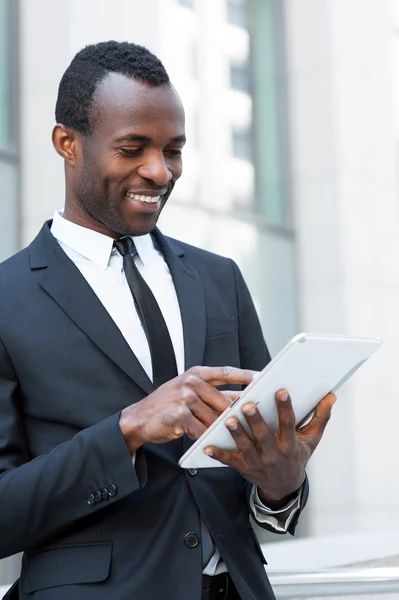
x: 161, y: 348
x: 162, y: 354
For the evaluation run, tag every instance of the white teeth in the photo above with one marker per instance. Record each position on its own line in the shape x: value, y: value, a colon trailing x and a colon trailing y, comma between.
x: 147, y: 199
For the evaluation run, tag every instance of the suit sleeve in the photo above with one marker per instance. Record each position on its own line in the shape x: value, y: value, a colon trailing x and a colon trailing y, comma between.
x: 255, y: 355
x: 40, y: 497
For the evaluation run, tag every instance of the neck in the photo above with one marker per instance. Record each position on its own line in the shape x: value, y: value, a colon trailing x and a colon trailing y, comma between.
x: 77, y: 215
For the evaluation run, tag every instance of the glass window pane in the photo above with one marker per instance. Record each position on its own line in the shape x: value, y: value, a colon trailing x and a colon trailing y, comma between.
x: 267, y: 111
x: 187, y: 3
x: 195, y: 60
x: 242, y: 144
x: 395, y: 14
x: 237, y: 13
x: 239, y: 77
x: 8, y: 209
x: 395, y: 76
x: 5, y: 116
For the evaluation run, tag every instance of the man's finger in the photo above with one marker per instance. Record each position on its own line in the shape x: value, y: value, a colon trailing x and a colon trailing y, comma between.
x: 194, y: 428
x: 226, y: 457
x: 224, y: 375
x: 244, y: 443
x: 204, y: 413
x: 216, y: 400
x: 286, y: 420
x: 313, y: 431
x: 263, y: 439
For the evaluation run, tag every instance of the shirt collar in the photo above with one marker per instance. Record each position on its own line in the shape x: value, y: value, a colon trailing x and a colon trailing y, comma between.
x: 96, y: 247
x: 145, y: 248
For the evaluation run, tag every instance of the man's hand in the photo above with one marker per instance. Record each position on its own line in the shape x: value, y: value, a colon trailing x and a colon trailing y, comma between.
x: 274, y: 463
x: 186, y: 405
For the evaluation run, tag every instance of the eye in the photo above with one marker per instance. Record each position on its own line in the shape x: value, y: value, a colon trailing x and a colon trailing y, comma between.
x: 175, y: 152
x: 130, y: 151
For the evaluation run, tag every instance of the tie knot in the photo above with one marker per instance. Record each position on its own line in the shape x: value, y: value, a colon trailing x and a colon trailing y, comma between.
x: 125, y: 246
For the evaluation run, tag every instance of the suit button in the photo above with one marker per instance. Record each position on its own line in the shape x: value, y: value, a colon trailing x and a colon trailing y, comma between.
x: 192, y: 472
x: 112, y: 490
x: 91, y: 500
x: 104, y: 493
x: 98, y: 496
x: 191, y: 540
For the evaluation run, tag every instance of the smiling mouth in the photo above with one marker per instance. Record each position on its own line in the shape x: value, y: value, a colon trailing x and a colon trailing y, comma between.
x: 143, y: 198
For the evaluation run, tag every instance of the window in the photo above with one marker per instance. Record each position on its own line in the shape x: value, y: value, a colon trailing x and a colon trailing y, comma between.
x: 187, y: 3
x: 195, y: 60
x: 242, y: 144
x: 195, y: 132
x: 268, y: 111
x: 9, y: 160
x: 237, y: 13
x: 239, y: 78
x: 8, y: 75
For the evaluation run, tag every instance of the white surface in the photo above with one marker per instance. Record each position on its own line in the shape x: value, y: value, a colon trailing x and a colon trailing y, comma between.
x: 329, y: 552
x: 309, y: 367
x: 345, y: 201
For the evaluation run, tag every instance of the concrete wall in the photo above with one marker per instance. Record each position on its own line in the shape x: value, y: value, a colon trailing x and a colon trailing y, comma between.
x: 346, y: 212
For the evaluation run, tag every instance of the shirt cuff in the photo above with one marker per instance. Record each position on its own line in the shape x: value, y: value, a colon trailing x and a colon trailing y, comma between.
x: 279, y: 520
x: 139, y: 466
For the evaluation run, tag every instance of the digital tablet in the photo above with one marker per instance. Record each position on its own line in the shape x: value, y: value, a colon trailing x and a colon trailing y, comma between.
x: 309, y: 367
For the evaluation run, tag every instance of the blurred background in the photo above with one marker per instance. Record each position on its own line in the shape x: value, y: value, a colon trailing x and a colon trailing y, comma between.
x: 291, y: 169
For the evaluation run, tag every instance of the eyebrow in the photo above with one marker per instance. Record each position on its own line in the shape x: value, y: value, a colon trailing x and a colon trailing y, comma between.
x: 131, y: 137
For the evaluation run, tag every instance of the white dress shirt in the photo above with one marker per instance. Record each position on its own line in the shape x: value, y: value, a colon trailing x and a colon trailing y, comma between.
x: 101, y: 265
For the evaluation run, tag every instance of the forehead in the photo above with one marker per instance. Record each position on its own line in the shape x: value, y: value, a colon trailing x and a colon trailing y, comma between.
x: 121, y: 104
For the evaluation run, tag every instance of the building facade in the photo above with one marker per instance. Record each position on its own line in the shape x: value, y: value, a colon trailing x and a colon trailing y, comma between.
x: 290, y: 169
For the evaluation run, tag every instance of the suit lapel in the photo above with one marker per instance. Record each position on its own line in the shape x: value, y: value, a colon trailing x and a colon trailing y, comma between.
x: 190, y: 294
x: 63, y: 281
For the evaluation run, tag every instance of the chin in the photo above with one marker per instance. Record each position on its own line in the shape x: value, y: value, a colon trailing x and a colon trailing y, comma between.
x: 141, y: 231
x: 137, y: 227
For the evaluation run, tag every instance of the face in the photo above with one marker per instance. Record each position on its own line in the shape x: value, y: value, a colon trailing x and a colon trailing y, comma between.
x: 120, y: 176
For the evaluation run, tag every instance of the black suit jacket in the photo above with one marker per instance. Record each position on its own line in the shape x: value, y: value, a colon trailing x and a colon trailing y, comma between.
x: 92, y: 527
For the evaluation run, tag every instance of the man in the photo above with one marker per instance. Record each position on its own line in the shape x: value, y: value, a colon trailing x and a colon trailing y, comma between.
x: 104, y: 326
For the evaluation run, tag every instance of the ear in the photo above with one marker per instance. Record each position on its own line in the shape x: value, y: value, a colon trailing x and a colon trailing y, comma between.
x: 66, y: 142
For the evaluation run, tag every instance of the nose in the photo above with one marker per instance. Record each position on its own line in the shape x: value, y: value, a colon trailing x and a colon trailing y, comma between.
x: 156, y: 169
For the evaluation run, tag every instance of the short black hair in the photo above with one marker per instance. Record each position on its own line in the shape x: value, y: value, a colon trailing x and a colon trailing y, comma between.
x: 90, y: 66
